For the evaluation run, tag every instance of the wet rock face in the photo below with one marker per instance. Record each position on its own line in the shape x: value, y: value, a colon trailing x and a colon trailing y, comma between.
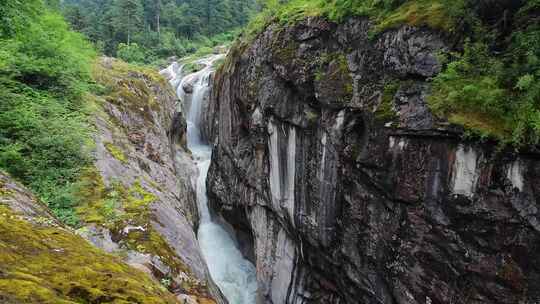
x: 348, y: 205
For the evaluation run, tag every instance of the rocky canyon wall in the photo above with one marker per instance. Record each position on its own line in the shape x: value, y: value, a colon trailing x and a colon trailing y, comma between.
x: 344, y: 188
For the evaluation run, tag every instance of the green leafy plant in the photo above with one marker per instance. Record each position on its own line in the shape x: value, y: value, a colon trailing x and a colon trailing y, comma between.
x: 130, y: 53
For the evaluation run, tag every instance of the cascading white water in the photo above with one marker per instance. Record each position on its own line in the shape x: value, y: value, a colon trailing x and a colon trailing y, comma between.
x: 235, y: 276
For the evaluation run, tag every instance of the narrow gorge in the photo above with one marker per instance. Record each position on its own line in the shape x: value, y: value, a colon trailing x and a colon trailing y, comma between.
x: 326, y: 152
x: 232, y: 273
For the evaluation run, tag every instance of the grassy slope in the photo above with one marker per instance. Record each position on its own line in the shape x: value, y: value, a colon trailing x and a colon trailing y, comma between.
x: 439, y: 14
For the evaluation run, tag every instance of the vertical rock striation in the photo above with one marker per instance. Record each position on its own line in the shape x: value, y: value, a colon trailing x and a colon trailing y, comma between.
x: 345, y: 193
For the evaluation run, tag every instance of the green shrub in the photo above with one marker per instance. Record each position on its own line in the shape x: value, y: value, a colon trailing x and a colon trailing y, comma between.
x: 131, y: 53
x: 16, y: 15
x: 492, y: 96
x: 492, y: 87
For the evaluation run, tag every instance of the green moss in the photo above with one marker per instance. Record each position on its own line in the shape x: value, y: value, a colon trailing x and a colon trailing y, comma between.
x: 333, y: 70
x: 134, y: 204
x: 129, y: 86
x: 312, y: 116
x: 430, y: 13
x: 91, y: 193
x: 113, y: 205
x: 385, y: 112
x: 345, y: 74
x: 3, y: 189
x: 153, y: 184
x: 116, y: 152
x: 285, y: 53
x: 119, y: 207
x: 40, y: 264
x: 480, y: 125
x: 151, y: 242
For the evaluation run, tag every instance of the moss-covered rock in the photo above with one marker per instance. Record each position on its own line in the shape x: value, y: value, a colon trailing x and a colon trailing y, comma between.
x: 43, y: 262
x: 333, y: 81
x: 125, y: 212
x: 136, y: 201
x: 386, y: 110
x: 129, y: 87
x: 116, y: 152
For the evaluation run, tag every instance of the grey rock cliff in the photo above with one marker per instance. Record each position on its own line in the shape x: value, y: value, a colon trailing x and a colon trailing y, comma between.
x: 340, y: 200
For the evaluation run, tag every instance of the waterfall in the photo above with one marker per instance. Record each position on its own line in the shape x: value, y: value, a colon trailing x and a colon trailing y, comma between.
x: 234, y: 275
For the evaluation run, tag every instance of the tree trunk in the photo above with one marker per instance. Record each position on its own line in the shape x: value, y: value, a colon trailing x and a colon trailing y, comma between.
x: 208, y: 15
x: 158, y: 15
x: 129, y: 29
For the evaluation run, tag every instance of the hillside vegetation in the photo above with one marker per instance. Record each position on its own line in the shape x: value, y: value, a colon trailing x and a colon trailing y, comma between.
x: 490, y: 80
x: 44, y: 78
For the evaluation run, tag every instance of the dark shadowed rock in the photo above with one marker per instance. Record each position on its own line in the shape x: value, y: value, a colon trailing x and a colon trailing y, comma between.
x: 351, y: 191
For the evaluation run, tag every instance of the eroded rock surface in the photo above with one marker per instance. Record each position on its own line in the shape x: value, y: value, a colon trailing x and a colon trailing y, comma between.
x: 344, y: 186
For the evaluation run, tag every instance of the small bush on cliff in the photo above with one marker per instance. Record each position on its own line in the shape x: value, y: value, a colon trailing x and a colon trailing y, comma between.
x: 472, y: 84
x: 492, y: 88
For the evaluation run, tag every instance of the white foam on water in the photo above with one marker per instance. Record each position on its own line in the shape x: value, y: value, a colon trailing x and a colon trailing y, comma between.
x: 234, y: 275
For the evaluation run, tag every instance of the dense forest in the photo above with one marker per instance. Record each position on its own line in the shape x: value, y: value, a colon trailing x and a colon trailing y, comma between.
x: 147, y: 30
